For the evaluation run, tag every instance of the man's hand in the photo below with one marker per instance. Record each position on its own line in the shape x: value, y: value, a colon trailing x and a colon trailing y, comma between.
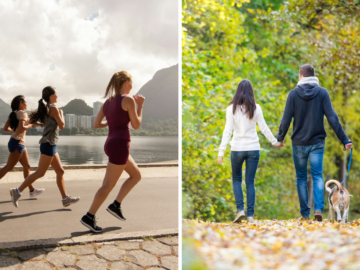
x: 348, y: 146
x: 220, y: 160
x: 282, y: 144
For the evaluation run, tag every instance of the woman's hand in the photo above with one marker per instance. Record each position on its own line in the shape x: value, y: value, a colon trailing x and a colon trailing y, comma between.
x: 139, y: 99
x: 220, y: 160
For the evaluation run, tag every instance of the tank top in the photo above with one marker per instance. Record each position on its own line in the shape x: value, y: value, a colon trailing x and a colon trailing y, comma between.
x: 51, y: 130
x: 118, y: 119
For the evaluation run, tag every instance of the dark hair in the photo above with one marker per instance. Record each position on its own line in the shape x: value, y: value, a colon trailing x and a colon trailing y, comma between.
x: 14, y: 107
x: 40, y: 113
x: 116, y: 82
x: 307, y: 70
x: 244, y: 96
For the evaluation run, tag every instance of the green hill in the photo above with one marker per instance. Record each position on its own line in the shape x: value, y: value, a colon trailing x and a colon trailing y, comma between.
x: 78, y: 107
x: 161, y: 94
x: 4, y: 111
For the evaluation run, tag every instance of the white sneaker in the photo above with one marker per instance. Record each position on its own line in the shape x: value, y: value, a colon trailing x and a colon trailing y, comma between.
x: 70, y: 200
x: 240, y: 215
x: 250, y: 219
x: 36, y: 191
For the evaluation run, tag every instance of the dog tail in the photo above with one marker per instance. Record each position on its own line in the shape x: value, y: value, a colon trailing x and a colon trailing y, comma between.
x: 330, y: 182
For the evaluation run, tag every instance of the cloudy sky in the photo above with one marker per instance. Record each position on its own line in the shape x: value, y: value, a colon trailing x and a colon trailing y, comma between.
x: 76, y: 46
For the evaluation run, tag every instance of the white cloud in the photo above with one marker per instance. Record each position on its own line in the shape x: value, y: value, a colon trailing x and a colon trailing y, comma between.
x: 76, y: 46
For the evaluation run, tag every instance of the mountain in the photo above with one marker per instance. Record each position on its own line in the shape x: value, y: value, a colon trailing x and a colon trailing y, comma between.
x: 4, y: 111
x: 77, y: 107
x: 161, y: 95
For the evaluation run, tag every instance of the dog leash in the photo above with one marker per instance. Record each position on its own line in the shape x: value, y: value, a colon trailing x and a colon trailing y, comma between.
x: 343, y: 182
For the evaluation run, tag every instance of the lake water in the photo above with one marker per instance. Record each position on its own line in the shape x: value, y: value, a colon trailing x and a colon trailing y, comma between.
x: 78, y: 150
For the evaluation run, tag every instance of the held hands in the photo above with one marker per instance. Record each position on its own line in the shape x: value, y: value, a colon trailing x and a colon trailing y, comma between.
x: 139, y: 99
x: 279, y: 144
x: 220, y: 160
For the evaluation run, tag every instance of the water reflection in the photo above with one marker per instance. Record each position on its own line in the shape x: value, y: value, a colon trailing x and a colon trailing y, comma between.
x: 76, y: 150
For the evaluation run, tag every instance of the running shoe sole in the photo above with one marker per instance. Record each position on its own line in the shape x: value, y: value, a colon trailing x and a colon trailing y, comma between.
x: 34, y: 195
x: 89, y: 227
x: 115, y: 215
x: 239, y: 219
x: 66, y: 205
x: 12, y: 199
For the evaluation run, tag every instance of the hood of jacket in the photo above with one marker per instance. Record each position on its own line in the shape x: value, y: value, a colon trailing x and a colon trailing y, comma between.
x: 308, y: 88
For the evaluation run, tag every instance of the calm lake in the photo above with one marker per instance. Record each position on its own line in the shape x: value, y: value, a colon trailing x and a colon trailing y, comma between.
x: 77, y: 150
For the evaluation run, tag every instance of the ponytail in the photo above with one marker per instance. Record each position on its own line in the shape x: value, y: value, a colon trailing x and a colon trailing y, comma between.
x: 42, y: 110
x: 116, y: 83
x: 14, y: 107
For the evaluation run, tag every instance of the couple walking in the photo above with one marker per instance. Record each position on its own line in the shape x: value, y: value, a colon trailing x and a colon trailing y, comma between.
x: 307, y: 104
x: 119, y: 109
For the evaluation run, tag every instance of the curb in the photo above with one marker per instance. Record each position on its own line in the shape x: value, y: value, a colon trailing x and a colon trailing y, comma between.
x: 56, y: 242
x: 101, y: 166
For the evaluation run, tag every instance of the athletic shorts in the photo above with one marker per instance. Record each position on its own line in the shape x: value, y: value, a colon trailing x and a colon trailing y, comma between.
x: 117, y: 150
x: 14, y: 145
x: 48, y: 149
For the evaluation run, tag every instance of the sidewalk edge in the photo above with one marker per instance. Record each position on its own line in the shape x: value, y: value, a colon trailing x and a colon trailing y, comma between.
x: 93, y: 238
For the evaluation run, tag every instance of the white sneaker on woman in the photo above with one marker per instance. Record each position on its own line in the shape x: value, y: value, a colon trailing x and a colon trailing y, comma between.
x: 250, y: 219
x: 36, y: 191
x: 239, y: 216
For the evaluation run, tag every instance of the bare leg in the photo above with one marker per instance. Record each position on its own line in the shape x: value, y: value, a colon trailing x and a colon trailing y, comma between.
x: 25, y: 163
x: 13, y: 158
x: 135, y: 176
x: 56, y: 164
x: 113, y: 173
x: 44, y: 164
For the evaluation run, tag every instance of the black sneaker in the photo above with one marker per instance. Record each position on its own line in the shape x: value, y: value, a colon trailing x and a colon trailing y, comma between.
x: 116, y: 212
x: 90, y: 223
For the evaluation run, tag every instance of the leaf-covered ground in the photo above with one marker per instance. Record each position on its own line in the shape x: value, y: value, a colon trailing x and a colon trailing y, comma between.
x: 275, y: 244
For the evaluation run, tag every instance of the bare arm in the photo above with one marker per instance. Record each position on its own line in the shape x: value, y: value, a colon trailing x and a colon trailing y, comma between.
x: 25, y: 127
x: 98, y: 122
x: 58, y: 116
x: 7, y: 126
x: 129, y: 105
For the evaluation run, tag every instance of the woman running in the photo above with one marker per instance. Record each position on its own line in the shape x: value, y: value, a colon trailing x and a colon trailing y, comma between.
x: 18, y: 124
x: 242, y: 114
x: 119, y: 110
x: 52, y: 118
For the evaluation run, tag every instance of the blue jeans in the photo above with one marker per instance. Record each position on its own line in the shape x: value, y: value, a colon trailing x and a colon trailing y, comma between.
x: 301, y: 154
x: 252, y: 161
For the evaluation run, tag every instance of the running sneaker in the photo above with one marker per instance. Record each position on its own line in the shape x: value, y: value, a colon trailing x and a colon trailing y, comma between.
x: 90, y: 223
x: 70, y: 200
x: 15, y: 196
x: 36, y: 191
x: 116, y: 212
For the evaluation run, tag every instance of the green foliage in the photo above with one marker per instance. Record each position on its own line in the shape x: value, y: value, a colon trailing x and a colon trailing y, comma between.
x: 265, y: 42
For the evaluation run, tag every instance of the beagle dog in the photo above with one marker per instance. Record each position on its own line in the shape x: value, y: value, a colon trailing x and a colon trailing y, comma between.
x: 339, y: 200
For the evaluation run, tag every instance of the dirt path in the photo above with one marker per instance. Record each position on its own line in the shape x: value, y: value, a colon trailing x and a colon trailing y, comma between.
x: 273, y: 244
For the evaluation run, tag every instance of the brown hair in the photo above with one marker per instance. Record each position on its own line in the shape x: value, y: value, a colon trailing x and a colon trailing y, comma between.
x: 116, y: 83
x: 307, y: 70
x: 42, y: 110
x: 245, y: 96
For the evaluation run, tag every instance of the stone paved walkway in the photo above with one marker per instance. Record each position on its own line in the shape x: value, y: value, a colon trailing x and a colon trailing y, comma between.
x: 146, y: 253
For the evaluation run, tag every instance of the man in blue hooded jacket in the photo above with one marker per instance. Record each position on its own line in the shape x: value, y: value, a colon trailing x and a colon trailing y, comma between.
x: 307, y: 104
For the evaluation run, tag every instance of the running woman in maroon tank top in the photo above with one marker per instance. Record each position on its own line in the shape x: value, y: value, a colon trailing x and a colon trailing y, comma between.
x: 120, y: 110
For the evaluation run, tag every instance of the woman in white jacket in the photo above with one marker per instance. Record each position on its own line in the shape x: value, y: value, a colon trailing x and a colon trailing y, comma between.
x: 241, y: 116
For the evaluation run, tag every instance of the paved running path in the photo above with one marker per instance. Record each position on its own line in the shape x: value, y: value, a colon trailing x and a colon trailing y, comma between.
x: 152, y: 205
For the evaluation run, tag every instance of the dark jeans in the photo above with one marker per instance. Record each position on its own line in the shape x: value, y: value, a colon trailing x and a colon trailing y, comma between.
x: 252, y: 161
x: 301, y: 155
